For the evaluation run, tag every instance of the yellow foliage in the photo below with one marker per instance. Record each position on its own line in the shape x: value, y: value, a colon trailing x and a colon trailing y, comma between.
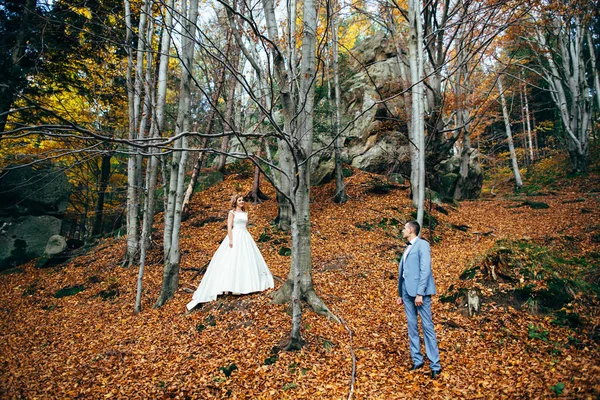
x: 83, y: 11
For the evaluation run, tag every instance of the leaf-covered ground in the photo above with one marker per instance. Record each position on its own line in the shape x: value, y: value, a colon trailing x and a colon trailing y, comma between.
x: 91, y: 345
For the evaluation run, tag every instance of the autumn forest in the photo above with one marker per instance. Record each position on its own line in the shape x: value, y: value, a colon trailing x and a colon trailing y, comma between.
x: 127, y: 126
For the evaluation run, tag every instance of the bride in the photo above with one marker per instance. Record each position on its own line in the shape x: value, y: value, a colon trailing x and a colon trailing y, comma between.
x: 237, y: 266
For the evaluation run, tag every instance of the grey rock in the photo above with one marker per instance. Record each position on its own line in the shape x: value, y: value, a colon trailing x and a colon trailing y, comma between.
x: 53, y: 252
x: 34, y: 191
x: 433, y: 196
x: 25, y: 238
x: 56, y: 245
x: 397, y: 178
x: 377, y: 155
x: 323, y: 172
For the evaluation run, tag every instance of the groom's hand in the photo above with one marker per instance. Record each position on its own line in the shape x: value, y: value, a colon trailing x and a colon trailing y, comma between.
x: 399, y: 301
x: 419, y: 301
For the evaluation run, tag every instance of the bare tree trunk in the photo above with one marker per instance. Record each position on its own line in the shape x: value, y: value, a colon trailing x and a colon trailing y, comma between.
x: 155, y: 132
x: 527, y: 143
x: 416, y: 61
x: 229, y: 122
x: 592, y: 51
x: 299, y: 283
x: 104, y: 175
x: 340, y: 187
x: 511, y: 146
x: 284, y: 217
x: 134, y: 94
x: 170, y: 281
x: 7, y: 92
x: 462, y: 89
x: 567, y: 77
x: 209, y: 125
x: 255, y: 194
x: 528, y: 123
x: 406, y: 79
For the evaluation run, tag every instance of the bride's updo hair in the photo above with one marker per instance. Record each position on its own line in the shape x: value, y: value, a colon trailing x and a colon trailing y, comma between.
x: 234, y: 200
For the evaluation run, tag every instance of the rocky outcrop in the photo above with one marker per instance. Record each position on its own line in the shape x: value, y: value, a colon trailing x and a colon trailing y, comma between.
x: 24, y: 238
x: 373, y: 140
x: 375, y: 131
x: 446, y: 175
x: 33, y: 201
x: 34, y: 191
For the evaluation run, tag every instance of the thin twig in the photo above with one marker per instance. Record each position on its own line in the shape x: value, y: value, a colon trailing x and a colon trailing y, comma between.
x: 353, y: 377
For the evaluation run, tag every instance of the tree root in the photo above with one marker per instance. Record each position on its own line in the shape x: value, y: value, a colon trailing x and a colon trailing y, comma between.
x: 308, y: 295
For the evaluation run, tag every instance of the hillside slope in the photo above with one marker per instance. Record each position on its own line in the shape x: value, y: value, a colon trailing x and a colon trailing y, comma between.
x: 90, y: 345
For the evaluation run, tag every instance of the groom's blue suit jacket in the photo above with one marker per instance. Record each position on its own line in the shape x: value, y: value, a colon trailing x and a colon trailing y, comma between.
x: 417, y: 270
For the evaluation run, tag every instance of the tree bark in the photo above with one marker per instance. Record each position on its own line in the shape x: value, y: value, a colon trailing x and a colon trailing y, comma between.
x: 416, y: 63
x: 283, y: 183
x: 566, y: 75
x: 7, y: 93
x: 173, y: 213
x: 340, y: 187
x: 155, y: 131
x: 104, y: 175
x: 509, y: 138
x: 229, y: 108
x: 209, y: 126
x: 134, y: 94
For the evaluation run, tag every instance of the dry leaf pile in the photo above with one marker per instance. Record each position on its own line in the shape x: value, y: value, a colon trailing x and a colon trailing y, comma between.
x: 91, y: 345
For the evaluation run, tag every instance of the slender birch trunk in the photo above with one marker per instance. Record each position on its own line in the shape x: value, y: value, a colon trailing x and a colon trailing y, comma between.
x: 133, y: 163
x: 229, y: 123
x: 187, y: 198
x: 340, y: 187
x: 155, y: 132
x: 528, y: 123
x: 509, y: 138
x: 592, y: 51
x: 170, y: 281
x: 416, y: 62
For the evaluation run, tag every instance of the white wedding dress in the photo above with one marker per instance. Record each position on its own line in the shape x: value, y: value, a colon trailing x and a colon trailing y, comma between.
x: 239, y: 269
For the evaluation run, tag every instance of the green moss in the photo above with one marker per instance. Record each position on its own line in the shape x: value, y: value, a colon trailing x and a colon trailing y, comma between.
x: 469, y: 273
x: 568, y: 319
x: 429, y: 221
x: 69, y: 291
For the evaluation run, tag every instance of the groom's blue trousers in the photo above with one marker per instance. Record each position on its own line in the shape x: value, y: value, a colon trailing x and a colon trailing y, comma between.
x: 412, y: 314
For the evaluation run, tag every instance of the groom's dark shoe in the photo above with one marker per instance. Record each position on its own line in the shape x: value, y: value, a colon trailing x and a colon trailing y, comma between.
x: 415, y: 367
x: 434, y: 374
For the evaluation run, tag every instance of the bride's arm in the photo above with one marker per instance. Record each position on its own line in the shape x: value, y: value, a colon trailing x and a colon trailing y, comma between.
x: 230, y: 227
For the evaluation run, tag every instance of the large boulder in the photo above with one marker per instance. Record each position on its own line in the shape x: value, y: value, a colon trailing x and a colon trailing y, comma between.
x: 374, y: 141
x: 39, y: 190
x: 379, y: 154
x: 446, y: 175
x: 24, y: 238
x: 33, y: 201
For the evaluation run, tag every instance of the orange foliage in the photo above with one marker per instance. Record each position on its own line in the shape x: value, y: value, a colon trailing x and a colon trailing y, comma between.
x: 86, y: 347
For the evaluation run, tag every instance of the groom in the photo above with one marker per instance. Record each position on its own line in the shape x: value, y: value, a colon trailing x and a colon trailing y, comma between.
x: 415, y: 287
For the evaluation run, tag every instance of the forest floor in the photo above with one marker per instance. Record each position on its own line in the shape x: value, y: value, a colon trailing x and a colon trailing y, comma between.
x: 91, y: 345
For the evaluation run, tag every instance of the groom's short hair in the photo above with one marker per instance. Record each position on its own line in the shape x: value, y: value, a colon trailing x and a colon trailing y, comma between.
x: 415, y: 225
